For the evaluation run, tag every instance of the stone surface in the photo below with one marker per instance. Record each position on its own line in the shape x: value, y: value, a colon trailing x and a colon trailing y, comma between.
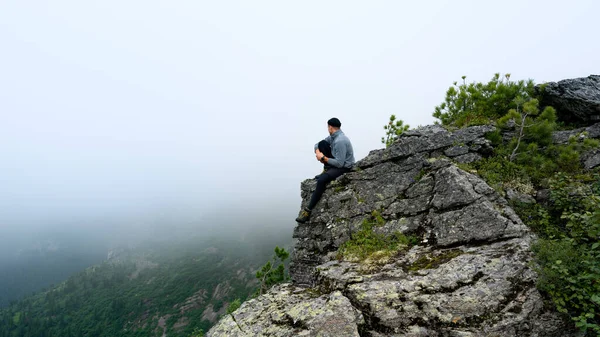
x: 456, y: 151
x: 519, y: 197
x: 469, y: 275
x: 426, y: 139
x: 482, y: 145
x: 591, y: 159
x: 481, y: 290
x: 562, y: 137
x: 575, y: 100
x: 467, y: 158
x: 287, y: 311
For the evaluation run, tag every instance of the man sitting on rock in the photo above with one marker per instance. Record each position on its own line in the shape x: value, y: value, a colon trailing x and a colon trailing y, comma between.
x: 336, y: 153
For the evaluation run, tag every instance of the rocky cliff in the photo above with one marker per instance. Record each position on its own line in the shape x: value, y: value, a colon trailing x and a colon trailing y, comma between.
x: 469, y: 274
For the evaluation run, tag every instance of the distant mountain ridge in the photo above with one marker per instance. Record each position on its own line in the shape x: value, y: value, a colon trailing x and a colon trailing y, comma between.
x: 158, y: 289
x: 40, y: 265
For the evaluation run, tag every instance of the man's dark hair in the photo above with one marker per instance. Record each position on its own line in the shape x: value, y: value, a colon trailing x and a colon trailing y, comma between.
x: 334, y: 122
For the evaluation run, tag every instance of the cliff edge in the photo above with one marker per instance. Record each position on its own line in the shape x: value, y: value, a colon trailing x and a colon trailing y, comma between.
x: 467, y: 272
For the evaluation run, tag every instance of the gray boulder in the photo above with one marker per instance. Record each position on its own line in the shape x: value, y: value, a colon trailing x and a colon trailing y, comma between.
x: 575, y: 100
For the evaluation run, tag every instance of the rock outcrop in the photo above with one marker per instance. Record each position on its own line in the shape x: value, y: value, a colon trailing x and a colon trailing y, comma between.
x: 562, y: 137
x: 469, y: 275
x: 576, y: 100
x: 589, y: 159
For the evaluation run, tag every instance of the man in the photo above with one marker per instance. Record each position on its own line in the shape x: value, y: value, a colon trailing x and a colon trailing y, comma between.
x: 337, y: 156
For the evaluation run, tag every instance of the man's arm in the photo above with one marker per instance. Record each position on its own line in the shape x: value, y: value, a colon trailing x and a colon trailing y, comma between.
x: 328, y: 140
x: 339, y: 152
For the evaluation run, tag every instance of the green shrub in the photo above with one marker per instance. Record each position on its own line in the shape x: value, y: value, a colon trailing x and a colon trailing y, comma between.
x: 495, y: 137
x: 197, y: 333
x: 479, y: 103
x: 569, y: 273
x: 431, y: 261
x: 577, y: 206
x: 366, y: 242
x: 498, y: 172
x: 532, y: 128
x: 393, y: 129
x: 233, y: 306
x: 273, y: 271
x: 567, y: 256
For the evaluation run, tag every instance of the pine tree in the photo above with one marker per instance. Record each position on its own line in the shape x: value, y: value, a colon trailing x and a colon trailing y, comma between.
x: 273, y: 271
x: 529, y: 123
x: 393, y: 129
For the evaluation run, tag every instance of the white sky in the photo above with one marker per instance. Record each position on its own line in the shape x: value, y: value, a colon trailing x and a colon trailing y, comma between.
x: 134, y: 108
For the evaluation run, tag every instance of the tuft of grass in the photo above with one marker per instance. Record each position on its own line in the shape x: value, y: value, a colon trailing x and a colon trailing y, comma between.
x: 368, y: 246
x: 431, y: 261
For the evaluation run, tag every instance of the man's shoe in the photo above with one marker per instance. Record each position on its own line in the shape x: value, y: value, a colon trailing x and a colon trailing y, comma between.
x: 304, y: 216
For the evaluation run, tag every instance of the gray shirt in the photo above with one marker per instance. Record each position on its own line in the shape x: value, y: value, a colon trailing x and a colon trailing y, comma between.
x: 341, y: 149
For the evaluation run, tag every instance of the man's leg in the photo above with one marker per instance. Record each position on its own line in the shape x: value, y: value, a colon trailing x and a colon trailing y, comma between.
x: 322, y: 182
x: 325, y: 148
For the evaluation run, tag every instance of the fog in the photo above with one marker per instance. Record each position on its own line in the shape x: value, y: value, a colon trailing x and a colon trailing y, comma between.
x: 122, y: 120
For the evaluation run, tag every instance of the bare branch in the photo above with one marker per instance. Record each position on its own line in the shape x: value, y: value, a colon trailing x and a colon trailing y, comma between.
x: 514, y: 152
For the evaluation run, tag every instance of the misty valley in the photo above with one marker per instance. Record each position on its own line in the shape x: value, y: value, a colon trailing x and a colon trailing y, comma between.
x: 171, y: 287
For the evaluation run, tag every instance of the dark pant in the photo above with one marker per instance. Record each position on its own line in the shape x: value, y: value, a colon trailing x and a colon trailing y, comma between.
x: 325, y: 148
x: 329, y: 175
